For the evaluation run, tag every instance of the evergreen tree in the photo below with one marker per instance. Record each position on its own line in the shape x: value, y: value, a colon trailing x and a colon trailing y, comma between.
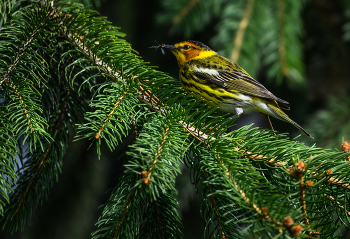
x: 65, y: 71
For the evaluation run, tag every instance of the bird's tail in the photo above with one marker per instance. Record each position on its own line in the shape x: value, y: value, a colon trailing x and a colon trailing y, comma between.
x: 279, y: 114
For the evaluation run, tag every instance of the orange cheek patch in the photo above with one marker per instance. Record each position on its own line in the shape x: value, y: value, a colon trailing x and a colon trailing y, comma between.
x: 189, y: 55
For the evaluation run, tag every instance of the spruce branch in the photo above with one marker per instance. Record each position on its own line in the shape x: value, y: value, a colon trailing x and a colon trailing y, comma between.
x: 44, y: 159
x: 288, y: 223
x: 21, y: 51
x: 160, y: 148
x: 40, y: 169
x: 131, y: 196
x: 76, y: 40
x: 123, y: 212
x: 338, y: 204
x: 23, y: 106
x: 98, y: 134
x: 8, y: 152
x: 218, y: 217
x: 300, y: 169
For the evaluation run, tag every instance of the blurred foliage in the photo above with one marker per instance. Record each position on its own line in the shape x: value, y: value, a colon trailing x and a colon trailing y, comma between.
x: 331, y: 125
x: 252, y: 33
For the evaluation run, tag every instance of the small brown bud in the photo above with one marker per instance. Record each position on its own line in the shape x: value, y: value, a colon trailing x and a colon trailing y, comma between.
x: 291, y: 171
x: 144, y: 174
x: 309, y: 183
x: 329, y: 171
x: 145, y: 181
x: 264, y: 209
x: 280, y: 230
x: 345, y: 146
x: 300, y: 166
x: 288, y: 221
x: 97, y: 136
x: 296, y: 230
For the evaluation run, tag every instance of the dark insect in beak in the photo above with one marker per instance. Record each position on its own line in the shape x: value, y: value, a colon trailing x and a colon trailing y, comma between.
x: 159, y: 45
x: 162, y: 46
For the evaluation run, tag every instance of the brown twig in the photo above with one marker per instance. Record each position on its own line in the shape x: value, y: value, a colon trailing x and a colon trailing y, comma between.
x: 159, y: 218
x: 184, y: 11
x: 47, y: 151
x: 23, y: 106
x: 98, y: 134
x: 160, y: 149
x: 336, y: 203
x: 237, y: 44
x: 131, y: 196
x: 338, y: 183
x: 262, y: 212
x: 20, y: 53
x: 223, y: 236
x: 282, y: 37
x: 42, y: 161
x: 302, y: 201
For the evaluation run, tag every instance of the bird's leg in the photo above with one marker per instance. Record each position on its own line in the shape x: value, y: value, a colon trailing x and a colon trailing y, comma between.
x: 239, y: 111
x: 268, y: 119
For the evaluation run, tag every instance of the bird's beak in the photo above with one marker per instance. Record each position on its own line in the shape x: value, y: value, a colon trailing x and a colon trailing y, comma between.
x: 170, y: 47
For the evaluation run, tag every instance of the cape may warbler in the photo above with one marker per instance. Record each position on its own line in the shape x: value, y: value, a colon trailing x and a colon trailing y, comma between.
x: 223, y: 83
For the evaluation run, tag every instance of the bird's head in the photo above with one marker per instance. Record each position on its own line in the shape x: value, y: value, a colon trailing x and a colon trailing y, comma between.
x: 188, y: 50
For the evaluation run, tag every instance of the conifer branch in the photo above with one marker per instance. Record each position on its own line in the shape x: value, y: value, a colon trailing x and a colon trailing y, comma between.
x: 47, y: 151
x: 42, y: 161
x: 195, y: 132
x: 23, y: 106
x: 184, y: 11
x: 298, y: 174
x: 237, y: 44
x: 158, y: 218
x: 77, y: 41
x: 212, y: 197
x: 302, y: 201
x: 282, y: 37
x: 223, y: 236
x: 98, y: 134
x: 20, y: 53
x: 337, y: 182
x: 336, y: 203
x: 263, y: 212
x: 160, y: 148
x: 130, y: 198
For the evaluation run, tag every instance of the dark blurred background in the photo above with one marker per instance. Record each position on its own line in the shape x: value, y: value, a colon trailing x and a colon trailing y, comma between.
x: 321, y: 104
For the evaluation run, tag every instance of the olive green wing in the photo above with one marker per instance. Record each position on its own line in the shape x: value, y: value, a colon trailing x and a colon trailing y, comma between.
x: 238, y: 81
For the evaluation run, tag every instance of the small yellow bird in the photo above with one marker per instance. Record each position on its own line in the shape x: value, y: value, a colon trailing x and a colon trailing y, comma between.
x: 223, y: 83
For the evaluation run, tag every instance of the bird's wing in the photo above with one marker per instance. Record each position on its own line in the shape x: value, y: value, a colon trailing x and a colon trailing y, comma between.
x: 238, y: 81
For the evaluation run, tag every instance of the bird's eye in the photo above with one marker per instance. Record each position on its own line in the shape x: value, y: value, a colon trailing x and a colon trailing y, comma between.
x: 186, y: 47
